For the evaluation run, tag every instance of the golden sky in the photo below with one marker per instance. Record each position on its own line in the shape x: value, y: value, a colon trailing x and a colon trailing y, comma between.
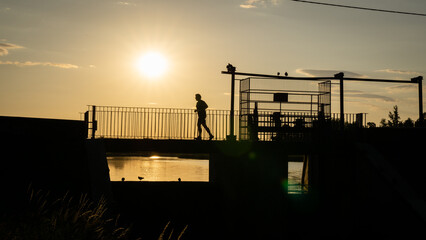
x: 57, y: 57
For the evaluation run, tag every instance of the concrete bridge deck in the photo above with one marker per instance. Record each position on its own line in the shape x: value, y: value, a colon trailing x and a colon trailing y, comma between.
x: 122, y: 146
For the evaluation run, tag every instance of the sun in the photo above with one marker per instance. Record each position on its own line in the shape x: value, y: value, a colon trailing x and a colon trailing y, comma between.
x: 152, y: 64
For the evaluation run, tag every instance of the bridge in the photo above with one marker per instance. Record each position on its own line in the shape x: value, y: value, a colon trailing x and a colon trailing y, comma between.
x: 112, y: 122
x: 172, y: 130
x: 267, y: 112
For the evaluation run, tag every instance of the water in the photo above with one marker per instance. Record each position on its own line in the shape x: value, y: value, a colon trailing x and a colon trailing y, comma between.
x: 295, y: 170
x: 159, y: 168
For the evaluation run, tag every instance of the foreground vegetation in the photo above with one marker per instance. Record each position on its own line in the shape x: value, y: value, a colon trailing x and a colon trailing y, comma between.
x: 67, y: 218
x: 395, y: 121
x: 64, y: 218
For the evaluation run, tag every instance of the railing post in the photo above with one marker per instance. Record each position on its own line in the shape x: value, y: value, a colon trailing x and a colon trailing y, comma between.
x: 86, y: 122
x: 94, y: 122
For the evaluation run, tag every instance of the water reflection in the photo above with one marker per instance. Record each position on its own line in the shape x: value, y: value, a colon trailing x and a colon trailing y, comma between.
x: 295, y: 172
x: 294, y: 185
x: 158, y: 168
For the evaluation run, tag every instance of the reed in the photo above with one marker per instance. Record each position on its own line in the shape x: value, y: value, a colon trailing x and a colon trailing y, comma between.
x: 168, y: 234
x: 66, y: 217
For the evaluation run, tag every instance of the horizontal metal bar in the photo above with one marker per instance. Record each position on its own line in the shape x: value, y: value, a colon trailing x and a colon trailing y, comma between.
x: 265, y: 101
x: 377, y: 80
x: 279, y: 77
x: 289, y: 93
x: 285, y: 91
x: 318, y: 78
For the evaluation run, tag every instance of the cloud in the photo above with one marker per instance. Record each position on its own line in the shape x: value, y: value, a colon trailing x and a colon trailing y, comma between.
x: 371, y: 96
x: 326, y: 73
x: 4, y: 48
x: 48, y: 64
x: 357, y: 94
x: 125, y: 3
x: 405, y: 88
x: 254, y: 3
x: 247, y: 6
x: 395, y: 71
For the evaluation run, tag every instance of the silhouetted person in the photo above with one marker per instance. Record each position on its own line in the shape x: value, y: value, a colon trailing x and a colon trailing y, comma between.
x: 201, y: 110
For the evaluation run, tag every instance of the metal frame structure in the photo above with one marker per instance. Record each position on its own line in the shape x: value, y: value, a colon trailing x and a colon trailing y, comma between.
x: 231, y: 70
x: 267, y: 110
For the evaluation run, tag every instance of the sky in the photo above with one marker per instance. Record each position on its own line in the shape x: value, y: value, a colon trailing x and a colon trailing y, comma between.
x: 58, y: 56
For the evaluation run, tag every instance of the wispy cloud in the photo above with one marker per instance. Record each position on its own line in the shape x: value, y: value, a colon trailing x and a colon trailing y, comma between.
x: 125, y: 3
x: 395, y: 71
x: 5, y: 47
x: 326, y: 73
x: 47, y: 64
x: 256, y: 3
x: 371, y: 96
x: 361, y: 95
x: 365, y: 96
x: 406, y: 88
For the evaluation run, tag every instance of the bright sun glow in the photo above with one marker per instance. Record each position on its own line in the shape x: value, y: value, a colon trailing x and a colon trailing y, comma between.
x: 152, y: 64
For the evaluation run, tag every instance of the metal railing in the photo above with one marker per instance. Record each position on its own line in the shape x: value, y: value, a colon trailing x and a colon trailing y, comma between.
x: 154, y: 123
x: 164, y: 123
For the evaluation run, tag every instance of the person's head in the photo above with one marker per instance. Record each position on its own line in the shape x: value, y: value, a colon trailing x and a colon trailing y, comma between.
x: 197, y: 97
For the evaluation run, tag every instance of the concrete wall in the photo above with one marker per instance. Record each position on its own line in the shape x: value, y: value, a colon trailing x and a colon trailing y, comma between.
x: 47, y: 154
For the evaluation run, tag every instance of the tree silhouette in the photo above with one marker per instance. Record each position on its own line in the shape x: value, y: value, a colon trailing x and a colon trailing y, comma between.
x: 394, y: 118
x: 395, y: 122
x: 408, y: 123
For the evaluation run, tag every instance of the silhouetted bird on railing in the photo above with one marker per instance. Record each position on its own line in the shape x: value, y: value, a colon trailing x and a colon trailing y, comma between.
x: 179, y: 179
x: 122, y: 179
x: 140, y: 178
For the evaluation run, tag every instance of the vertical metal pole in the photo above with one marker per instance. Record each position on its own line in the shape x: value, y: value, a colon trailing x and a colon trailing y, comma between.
x: 94, y: 123
x: 342, y: 111
x: 419, y: 80
x: 231, y: 114
x: 421, y: 117
x: 86, y: 123
x: 232, y: 105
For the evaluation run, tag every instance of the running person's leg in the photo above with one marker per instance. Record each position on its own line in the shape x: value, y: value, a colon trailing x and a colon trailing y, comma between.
x: 199, y: 123
x: 207, y: 129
